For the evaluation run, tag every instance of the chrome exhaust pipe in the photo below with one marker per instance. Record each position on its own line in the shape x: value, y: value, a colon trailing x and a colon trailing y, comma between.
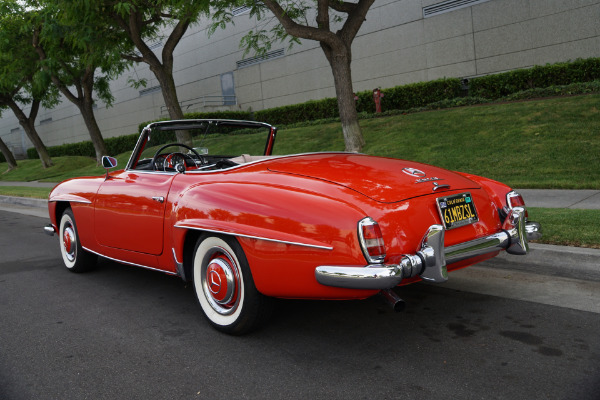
x: 392, y: 298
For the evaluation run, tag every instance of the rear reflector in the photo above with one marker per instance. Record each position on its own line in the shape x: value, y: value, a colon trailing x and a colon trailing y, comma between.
x: 371, y: 240
x: 514, y: 199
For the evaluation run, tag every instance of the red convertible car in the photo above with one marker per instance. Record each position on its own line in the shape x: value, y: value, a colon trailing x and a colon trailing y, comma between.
x: 245, y: 228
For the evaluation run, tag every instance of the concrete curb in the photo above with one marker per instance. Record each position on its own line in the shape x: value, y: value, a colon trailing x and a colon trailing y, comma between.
x: 24, y: 201
x: 546, y: 259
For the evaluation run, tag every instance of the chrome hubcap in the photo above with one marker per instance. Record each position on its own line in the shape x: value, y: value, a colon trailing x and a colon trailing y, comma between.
x: 69, y: 242
x: 220, y: 281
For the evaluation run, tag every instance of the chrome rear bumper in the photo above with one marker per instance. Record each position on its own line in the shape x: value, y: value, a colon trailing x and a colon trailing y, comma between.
x: 430, y: 261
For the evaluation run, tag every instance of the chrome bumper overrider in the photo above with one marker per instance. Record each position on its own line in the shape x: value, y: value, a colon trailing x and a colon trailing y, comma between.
x: 430, y: 261
x: 49, y: 230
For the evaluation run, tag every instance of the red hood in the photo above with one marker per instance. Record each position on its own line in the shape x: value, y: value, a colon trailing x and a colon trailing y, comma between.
x: 385, y: 180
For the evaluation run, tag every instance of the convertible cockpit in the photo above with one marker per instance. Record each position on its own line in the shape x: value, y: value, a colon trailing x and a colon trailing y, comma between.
x: 182, y: 146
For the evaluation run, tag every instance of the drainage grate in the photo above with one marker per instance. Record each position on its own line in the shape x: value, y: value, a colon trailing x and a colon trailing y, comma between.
x: 447, y: 6
x: 256, y: 60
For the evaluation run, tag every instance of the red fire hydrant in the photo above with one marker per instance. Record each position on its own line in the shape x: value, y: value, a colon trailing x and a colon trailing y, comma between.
x: 377, y: 95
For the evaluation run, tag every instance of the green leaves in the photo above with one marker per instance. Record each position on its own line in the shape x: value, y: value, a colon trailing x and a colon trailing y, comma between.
x: 20, y: 70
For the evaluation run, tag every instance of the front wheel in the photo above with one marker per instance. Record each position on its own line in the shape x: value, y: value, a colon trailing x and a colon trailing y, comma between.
x: 76, y: 259
x: 225, y: 288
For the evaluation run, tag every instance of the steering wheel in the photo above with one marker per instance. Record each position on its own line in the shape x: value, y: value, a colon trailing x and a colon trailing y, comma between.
x: 171, y: 156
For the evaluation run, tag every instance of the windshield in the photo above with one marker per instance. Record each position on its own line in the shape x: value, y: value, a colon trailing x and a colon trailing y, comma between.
x: 201, y: 145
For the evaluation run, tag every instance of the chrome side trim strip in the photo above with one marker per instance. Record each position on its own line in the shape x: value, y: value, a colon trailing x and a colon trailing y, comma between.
x: 182, y: 226
x: 129, y: 263
x: 70, y: 201
x: 141, y: 171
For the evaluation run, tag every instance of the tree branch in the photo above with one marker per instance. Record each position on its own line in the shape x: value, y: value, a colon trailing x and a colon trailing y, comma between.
x: 355, y: 21
x: 132, y: 58
x: 174, y: 38
x: 35, y: 107
x: 342, y: 6
x: 301, y: 31
x: 323, y: 14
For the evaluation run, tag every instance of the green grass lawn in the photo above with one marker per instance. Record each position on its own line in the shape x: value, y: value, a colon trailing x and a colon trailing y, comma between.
x: 25, y: 191
x: 568, y: 227
x: 552, y: 143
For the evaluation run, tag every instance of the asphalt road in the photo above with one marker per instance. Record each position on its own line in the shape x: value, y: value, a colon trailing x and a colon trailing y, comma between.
x: 126, y: 333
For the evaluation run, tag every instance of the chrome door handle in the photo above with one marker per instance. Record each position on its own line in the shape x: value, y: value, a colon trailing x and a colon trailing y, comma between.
x: 160, y: 199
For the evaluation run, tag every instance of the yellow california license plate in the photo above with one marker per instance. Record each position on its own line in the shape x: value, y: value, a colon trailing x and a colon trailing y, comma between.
x: 457, y: 210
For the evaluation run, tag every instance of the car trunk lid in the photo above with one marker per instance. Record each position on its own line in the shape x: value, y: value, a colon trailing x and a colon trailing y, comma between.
x: 385, y: 180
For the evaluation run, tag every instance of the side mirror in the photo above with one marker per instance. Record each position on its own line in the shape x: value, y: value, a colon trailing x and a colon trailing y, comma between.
x: 108, y: 163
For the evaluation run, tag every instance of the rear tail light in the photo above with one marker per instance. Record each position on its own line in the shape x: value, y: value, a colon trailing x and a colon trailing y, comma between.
x: 371, y: 240
x: 514, y: 199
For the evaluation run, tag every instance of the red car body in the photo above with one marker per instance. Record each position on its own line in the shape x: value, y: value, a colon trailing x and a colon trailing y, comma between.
x: 310, y: 226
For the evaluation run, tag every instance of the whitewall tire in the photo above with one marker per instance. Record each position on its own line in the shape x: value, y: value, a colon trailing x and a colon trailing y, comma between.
x: 74, y: 257
x: 224, y: 286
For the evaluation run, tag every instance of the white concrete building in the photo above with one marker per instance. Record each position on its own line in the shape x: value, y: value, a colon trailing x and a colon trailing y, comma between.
x: 402, y: 41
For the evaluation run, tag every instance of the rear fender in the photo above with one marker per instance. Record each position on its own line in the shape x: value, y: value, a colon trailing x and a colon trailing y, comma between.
x: 285, y: 233
x: 496, y: 190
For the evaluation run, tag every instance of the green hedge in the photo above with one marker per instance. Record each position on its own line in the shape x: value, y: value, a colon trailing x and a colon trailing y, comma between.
x: 507, y: 83
x: 420, y: 94
x: 396, y: 98
x: 311, y: 110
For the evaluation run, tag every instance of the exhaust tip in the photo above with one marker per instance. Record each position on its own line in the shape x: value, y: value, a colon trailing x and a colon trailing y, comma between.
x: 394, y: 300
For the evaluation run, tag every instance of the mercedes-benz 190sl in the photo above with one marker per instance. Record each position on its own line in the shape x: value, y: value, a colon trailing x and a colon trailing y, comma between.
x: 207, y: 201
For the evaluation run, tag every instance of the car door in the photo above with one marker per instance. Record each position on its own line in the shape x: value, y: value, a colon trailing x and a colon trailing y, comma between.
x: 129, y: 211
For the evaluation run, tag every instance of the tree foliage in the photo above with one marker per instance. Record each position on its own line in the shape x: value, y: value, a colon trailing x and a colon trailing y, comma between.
x: 144, y: 24
x: 80, y: 58
x: 22, y: 82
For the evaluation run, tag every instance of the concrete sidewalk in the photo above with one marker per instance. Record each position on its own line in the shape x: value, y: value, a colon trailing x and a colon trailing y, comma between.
x: 555, y: 198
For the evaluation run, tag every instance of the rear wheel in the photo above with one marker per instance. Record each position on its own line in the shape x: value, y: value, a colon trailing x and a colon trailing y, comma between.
x: 225, y: 288
x: 75, y: 258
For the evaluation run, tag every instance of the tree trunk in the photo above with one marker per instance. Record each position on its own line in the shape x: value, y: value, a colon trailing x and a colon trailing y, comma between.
x: 342, y: 76
x: 10, y: 159
x: 33, y: 136
x: 169, y: 92
x: 87, y: 111
x: 28, y: 124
